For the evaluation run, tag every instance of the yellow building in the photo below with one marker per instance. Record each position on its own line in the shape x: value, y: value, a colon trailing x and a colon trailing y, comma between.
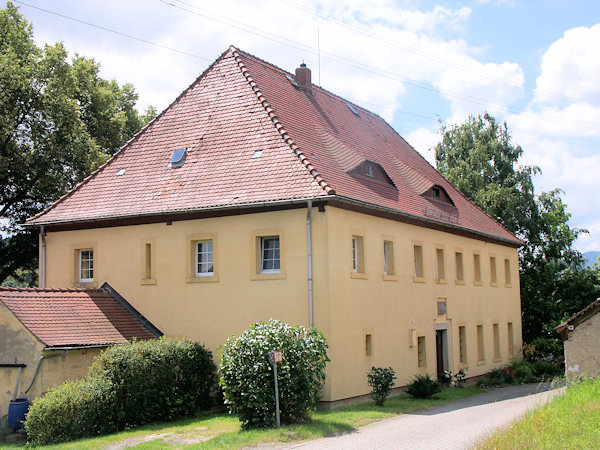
x: 257, y: 194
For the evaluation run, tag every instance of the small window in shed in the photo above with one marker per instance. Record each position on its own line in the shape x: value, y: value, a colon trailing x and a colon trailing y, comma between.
x: 178, y: 158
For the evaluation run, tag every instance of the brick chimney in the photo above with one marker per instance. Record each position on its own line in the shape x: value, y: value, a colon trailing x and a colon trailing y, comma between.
x: 303, y: 77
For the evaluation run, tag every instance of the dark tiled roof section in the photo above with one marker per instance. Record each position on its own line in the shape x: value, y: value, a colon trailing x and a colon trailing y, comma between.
x: 321, y: 124
x: 581, y: 316
x: 75, y: 317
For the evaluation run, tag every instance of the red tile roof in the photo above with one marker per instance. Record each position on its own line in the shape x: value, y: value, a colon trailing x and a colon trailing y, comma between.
x: 76, y: 317
x: 309, y: 142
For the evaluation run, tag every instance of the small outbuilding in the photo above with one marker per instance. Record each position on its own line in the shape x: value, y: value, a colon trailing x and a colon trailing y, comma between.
x: 48, y: 336
x: 581, y: 339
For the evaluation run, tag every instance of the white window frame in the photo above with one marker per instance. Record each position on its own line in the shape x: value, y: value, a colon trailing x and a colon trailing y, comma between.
x: 198, y: 261
x: 354, y: 254
x: 90, y: 268
x: 263, y: 260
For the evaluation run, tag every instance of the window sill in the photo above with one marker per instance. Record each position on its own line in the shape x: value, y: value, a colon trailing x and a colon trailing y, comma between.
x: 493, y: 284
x: 359, y: 275
x: 463, y: 366
x: 441, y: 281
x: 417, y: 279
x: 477, y: 283
x: 390, y: 278
x: 481, y: 363
x: 507, y: 285
x: 459, y: 282
x: 268, y: 276
x: 85, y: 284
x: 211, y: 279
x: 497, y: 359
x: 148, y: 281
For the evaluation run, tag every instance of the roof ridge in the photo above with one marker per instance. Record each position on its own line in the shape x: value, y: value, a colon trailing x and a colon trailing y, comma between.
x: 277, y: 123
x: 126, y: 144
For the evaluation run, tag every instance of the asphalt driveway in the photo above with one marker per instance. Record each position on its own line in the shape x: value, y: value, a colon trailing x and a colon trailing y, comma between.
x: 456, y: 425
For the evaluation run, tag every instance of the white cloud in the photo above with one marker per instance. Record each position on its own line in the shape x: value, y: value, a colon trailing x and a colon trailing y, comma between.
x: 424, y: 140
x: 571, y: 66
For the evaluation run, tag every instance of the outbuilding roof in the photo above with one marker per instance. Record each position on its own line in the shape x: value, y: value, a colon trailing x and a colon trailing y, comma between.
x: 256, y: 136
x: 77, y: 317
x: 576, y: 319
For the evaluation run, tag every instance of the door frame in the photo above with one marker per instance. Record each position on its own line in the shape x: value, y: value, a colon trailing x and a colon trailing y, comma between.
x: 446, y: 347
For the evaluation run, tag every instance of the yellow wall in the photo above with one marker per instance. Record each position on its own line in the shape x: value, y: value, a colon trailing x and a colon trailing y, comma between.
x: 17, y: 344
x: 346, y: 305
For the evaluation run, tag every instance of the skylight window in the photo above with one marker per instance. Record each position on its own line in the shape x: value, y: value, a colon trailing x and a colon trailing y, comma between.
x: 121, y: 172
x: 257, y: 154
x: 351, y: 108
x: 178, y: 158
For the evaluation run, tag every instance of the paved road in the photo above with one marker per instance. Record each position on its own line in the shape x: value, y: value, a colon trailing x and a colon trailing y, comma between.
x: 456, y: 425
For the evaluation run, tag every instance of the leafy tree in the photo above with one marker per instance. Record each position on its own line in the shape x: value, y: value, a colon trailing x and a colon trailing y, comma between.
x: 58, y: 122
x: 479, y: 158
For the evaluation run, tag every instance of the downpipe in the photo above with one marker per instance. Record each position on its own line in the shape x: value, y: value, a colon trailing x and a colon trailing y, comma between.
x: 309, y: 252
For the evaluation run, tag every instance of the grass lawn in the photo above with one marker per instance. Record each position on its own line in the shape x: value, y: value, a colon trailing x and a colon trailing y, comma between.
x: 222, y: 430
x: 569, y: 421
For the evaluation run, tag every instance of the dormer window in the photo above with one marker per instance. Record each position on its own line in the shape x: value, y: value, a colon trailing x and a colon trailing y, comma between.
x: 435, y: 192
x: 177, y: 158
x: 369, y: 171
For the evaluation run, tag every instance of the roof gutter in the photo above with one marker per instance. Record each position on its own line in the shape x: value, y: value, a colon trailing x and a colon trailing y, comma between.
x: 291, y: 202
x: 412, y: 217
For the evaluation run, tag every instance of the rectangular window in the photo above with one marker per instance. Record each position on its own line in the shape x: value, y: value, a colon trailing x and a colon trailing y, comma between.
x: 496, y: 341
x: 388, y: 258
x: 462, y: 344
x: 476, y: 268
x: 507, y: 272
x: 147, y: 261
x: 418, y: 260
x: 358, y: 254
x: 480, y: 352
x: 204, y: 259
x: 269, y: 254
x: 458, y: 257
x: 368, y: 345
x: 511, y: 342
x: 421, y: 356
x: 86, y: 266
x: 493, y: 277
x: 441, y: 271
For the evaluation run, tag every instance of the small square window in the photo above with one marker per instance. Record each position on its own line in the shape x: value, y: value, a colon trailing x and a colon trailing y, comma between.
x: 270, y: 254
x: 204, y: 259
x: 86, y: 266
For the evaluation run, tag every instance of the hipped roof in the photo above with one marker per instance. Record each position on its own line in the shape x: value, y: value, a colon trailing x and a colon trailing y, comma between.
x: 254, y: 138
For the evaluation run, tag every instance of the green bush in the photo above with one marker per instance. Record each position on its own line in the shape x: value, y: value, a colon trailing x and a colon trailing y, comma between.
x: 157, y: 379
x: 546, y: 370
x: 523, y: 371
x: 381, y: 381
x: 422, y: 386
x: 73, y: 410
x: 128, y: 385
x: 247, y: 375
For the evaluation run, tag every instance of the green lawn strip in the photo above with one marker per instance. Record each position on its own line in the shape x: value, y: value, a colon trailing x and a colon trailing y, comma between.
x: 222, y: 430
x: 569, y: 421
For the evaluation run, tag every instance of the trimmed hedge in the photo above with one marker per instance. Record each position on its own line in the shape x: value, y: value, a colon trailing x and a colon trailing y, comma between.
x: 73, y: 410
x: 128, y: 385
x: 247, y: 375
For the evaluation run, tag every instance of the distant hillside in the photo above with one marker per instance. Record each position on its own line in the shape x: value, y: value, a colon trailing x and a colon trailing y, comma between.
x: 591, y: 257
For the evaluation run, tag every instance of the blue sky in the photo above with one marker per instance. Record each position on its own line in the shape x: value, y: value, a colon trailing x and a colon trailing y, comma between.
x: 534, y: 64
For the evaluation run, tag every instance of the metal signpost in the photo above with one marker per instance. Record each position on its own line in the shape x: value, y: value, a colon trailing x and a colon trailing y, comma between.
x: 274, y: 358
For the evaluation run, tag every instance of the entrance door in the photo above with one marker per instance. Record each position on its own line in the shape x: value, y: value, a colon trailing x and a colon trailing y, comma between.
x: 440, y: 351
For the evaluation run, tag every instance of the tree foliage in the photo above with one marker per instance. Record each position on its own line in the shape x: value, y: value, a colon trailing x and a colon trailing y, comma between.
x: 58, y: 122
x: 479, y: 158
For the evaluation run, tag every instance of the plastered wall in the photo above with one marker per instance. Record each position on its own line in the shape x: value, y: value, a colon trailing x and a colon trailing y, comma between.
x: 346, y: 305
x: 582, y: 349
